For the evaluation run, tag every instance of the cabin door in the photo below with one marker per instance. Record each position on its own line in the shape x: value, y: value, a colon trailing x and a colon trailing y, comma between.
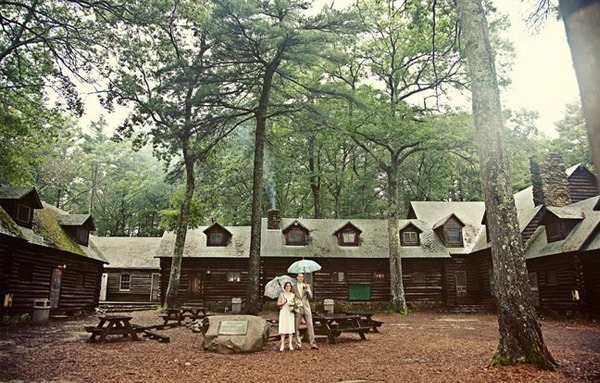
x: 196, y: 286
x: 103, y: 286
x: 55, y: 287
x: 155, y: 289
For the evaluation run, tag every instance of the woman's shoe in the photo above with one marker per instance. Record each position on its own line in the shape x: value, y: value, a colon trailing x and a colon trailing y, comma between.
x: 281, y: 348
x: 291, y: 348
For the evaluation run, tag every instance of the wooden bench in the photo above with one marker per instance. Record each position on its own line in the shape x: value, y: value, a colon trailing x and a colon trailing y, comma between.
x: 149, y: 334
x: 367, y: 320
x: 359, y: 330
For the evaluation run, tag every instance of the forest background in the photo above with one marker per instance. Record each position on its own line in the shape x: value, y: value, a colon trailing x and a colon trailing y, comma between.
x: 333, y: 117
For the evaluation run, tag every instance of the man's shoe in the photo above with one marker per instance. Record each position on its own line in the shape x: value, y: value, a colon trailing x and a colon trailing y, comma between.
x: 314, y: 347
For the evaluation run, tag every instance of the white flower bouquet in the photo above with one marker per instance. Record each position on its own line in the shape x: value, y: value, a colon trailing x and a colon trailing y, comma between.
x: 296, y: 304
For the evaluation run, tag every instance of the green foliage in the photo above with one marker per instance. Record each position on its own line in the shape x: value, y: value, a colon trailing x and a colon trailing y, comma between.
x: 572, y: 142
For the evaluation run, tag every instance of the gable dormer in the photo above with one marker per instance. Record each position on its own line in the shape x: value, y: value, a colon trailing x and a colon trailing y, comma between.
x: 19, y: 203
x: 78, y: 226
x: 296, y: 234
x: 409, y: 235
x: 348, y: 235
x: 217, y: 235
x: 449, y: 230
x: 559, y: 222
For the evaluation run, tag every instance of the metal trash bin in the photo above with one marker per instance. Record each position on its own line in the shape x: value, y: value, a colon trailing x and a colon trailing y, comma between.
x: 236, y: 305
x: 41, y: 310
x: 328, y: 305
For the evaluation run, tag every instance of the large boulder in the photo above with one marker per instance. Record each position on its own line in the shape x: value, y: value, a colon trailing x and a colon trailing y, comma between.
x: 228, y: 334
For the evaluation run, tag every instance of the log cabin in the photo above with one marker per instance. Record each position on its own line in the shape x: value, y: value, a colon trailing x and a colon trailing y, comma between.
x: 45, y: 254
x: 132, y: 274
x: 446, y: 257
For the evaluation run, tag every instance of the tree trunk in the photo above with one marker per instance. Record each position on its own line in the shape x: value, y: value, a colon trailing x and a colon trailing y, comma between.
x: 582, y: 24
x: 315, y: 184
x: 398, y: 300
x: 172, y: 298
x: 521, y: 338
x: 252, y: 292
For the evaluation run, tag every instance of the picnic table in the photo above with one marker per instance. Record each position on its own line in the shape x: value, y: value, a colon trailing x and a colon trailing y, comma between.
x: 194, y: 312
x: 333, y: 325
x: 367, y: 320
x: 180, y: 314
x: 112, y: 325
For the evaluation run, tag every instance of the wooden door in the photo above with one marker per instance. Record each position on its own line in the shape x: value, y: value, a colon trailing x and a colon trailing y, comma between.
x: 55, y: 283
x: 196, y: 286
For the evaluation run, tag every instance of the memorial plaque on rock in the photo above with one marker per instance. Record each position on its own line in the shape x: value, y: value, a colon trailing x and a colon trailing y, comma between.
x: 233, y: 327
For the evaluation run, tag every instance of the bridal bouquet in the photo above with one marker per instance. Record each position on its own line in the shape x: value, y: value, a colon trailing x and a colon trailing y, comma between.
x: 296, y: 305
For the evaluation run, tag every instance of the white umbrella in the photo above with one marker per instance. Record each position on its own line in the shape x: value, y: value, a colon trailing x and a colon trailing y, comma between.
x: 275, y: 286
x: 304, y: 266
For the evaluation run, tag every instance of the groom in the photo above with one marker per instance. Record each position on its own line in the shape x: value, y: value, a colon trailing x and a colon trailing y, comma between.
x: 304, y: 293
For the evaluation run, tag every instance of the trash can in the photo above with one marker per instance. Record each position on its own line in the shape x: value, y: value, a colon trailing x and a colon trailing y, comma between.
x: 328, y: 305
x: 41, y: 310
x: 236, y: 305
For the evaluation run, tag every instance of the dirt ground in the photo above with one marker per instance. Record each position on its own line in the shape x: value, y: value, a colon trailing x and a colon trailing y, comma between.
x: 420, y: 347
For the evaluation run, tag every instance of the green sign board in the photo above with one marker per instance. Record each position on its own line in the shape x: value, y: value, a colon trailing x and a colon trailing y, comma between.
x: 233, y: 327
x: 359, y: 292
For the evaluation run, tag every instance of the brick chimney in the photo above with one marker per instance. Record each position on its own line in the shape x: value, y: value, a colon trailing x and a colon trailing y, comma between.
x: 555, y: 184
x: 536, y: 182
x: 273, y: 220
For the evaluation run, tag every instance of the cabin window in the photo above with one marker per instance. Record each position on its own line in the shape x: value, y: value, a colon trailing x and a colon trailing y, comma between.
x: 535, y: 291
x: 460, y: 278
x: 555, y: 231
x: 234, y: 276
x: 409, y: 238
x: 82, y: 235
x: 348, y: 238
x: 125, y: 284
x: 26, y: 272
x: 80, y: 280
x: 216, y: 238
x: 24, y: 214
x: 338, y: 276
x: 453, y: 236
x: 551, y: 278
x: 295, y: 237
x: 419, y: 277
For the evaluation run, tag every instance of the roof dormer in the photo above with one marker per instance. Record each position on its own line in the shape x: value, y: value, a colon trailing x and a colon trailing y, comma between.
x: 449, y: 230
x: 78, y: 226
x: 19, y: 203
x: 348, y: 235
x: 217, y: 235
x: 559, y: 222
x: 296, y: 234
x: 409, y: 235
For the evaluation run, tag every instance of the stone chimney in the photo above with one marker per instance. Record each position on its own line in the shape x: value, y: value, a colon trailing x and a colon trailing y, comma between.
x: 536, y: 182
x: 273, y: 220
x: 555, y: 184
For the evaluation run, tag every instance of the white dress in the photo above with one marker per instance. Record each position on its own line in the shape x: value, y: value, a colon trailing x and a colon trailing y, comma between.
x: 286, y: 315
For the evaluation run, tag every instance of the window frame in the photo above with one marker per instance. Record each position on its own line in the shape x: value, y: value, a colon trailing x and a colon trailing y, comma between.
x: 289, y: 237
x: 555, y: 231
x: 125, y: 282
x: 453, y: 243
x: 234, y: 276
x: 210, y: 241
x: 23, y: 210
x: 408, y: 242
x: 342, y: 240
